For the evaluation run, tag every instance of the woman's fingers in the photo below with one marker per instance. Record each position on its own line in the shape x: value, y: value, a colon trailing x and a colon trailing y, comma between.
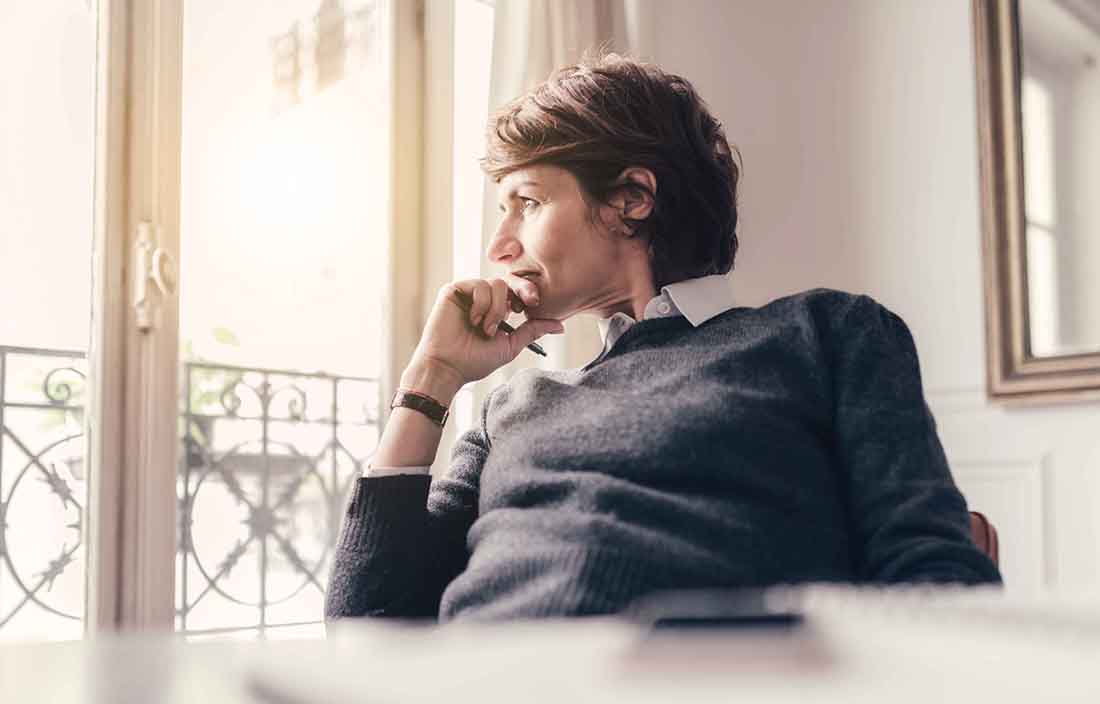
x: 492, y: 300
x: 475, y: 308
x: 530, y: 331
x: 526, y: 290
x: 482, y: 294
x: 498, y: 310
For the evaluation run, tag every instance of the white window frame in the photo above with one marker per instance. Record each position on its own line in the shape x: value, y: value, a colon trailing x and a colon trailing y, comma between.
x: 130, y: 423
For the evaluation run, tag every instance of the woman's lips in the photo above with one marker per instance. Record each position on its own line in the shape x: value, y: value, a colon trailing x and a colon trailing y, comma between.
x: 531, y: 276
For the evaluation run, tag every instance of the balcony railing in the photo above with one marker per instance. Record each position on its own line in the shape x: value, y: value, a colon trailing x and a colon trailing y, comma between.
x: 266, y: 462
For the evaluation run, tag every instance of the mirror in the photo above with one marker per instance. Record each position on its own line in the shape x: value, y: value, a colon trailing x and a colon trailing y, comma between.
x: 1060, y: 109
x: 1038, y: 71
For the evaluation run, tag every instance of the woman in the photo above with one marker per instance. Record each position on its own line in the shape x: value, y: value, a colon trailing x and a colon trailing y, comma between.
x: 708, y: 445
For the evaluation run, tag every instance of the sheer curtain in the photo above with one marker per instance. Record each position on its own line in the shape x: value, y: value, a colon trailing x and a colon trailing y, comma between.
x: 531, y: 38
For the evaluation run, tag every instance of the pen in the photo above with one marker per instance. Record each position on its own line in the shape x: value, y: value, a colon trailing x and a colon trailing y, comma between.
x: 465, y: 301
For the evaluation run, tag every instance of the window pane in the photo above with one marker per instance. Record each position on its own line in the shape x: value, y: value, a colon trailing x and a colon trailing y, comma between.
x: 285, y: 211
x: 47, y: 128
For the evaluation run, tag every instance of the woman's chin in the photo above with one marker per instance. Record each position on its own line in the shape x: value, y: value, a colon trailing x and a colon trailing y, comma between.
x: 548, y: 309
x: 542, y: 311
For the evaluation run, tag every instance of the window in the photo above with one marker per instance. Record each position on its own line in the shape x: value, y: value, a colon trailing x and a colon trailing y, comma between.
x: 226, y: 357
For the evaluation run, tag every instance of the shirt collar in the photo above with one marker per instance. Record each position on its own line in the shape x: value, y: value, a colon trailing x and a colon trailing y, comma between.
x: 698, y: 300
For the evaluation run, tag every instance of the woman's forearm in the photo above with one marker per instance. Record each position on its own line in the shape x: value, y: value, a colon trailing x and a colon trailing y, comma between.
x: 410, y: 438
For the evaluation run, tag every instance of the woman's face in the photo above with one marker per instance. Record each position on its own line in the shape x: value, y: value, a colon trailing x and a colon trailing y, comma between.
x: 576, y: 264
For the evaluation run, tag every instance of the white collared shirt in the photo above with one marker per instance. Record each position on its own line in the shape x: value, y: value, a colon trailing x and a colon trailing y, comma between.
x: 698, y: 300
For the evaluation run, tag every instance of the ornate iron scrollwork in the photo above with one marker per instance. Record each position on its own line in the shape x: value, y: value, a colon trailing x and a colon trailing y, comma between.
x: 265, y: 468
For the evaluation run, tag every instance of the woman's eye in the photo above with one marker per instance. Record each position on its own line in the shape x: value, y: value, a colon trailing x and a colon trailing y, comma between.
x: 528, y: 201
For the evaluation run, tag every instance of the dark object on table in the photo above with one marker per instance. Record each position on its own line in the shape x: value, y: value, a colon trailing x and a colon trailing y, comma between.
x: 712, y: 608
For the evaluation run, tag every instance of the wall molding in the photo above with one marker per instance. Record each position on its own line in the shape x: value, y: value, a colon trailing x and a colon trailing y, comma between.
x: 960, y: 399
x: 1016, y: 493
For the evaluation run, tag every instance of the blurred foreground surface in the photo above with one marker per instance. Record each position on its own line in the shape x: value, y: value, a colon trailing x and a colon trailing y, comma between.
x: 853, y: 645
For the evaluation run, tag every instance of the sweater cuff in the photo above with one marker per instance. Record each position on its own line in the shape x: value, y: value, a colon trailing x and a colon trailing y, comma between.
x: 384, y: 509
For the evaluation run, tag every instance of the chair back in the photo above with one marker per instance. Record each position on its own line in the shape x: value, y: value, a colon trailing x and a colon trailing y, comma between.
x: 985, y: 535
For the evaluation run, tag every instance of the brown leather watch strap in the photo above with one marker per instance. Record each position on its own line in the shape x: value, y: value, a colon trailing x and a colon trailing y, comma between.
x: 421, y: 402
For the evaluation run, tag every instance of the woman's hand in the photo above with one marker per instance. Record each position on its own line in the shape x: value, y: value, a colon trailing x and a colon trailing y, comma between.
x: 468, y: 346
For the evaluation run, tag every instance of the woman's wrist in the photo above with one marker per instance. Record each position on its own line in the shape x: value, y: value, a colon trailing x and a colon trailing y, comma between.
x: 438, y: 381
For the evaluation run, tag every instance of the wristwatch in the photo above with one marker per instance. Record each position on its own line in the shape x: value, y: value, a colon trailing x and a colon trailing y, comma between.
x: 421, y: 402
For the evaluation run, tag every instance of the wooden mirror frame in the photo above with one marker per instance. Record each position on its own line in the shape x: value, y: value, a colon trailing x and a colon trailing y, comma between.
x: 1013, y: 374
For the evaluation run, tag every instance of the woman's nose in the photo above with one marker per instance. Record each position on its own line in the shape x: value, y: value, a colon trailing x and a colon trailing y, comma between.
x: 503, y: 247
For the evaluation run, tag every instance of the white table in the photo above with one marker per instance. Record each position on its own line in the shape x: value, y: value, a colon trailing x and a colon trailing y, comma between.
x: 893, y: 651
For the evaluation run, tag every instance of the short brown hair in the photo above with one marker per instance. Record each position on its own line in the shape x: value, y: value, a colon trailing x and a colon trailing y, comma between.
x: 609, y: 112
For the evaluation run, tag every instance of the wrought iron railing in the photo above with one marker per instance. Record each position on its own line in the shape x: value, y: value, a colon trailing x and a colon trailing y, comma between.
x: 266, y: 463
x: 41, y: 522
x: 280, y: 450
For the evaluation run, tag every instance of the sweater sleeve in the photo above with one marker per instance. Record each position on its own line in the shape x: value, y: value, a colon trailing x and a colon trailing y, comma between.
x: 909, y: 520
x: 404, y: 537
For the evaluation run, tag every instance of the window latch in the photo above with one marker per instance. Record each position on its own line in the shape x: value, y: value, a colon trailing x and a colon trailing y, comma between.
x: 151, y: 264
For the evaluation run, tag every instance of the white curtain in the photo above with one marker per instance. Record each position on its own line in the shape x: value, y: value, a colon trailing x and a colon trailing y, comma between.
x: 531, y: 38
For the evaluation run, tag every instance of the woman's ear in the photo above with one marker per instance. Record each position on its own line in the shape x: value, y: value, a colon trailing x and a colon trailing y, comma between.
x: 635, y: 200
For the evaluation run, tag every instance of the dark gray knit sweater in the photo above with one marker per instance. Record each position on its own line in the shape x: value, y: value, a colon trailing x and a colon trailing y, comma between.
x: 780, y: 444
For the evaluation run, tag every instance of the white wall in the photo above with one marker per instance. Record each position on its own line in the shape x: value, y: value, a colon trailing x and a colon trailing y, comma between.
x: 857, y: 124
